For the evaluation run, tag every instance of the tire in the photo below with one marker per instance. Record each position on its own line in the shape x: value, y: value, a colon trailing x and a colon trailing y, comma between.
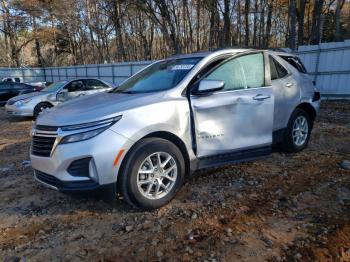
x: 291, y: 145
x: 133, y: 185
x: 40, y: 107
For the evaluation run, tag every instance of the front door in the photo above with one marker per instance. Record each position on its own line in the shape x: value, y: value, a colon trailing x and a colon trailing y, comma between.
x: 75, y: 88
x: 240, y: 116
x: 94, y: 86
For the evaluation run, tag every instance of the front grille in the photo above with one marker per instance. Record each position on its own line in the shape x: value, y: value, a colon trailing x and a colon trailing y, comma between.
x: 46, y: 128
x: 42, y: 145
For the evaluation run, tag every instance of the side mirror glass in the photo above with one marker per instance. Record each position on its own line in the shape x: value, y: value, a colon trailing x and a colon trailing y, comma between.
x: 62, y: 95
x: 208, y: 86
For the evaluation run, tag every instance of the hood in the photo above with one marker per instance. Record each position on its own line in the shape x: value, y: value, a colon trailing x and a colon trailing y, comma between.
x: 28, y: 95
x: 95, y: 107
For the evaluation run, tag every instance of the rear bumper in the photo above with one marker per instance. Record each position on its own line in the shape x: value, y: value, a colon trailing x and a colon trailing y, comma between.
x: 19, y: 111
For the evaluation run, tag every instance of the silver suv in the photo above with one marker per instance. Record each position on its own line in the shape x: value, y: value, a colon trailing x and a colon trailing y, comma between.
x: 175, y: 116
x: 34, y: 103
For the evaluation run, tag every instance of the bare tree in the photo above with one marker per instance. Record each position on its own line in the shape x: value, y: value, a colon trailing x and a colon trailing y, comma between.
x: 292, y: 24
x: 301, y: 19
x: 337, y: 33
x: 315, y: 36
x: 246, y: 20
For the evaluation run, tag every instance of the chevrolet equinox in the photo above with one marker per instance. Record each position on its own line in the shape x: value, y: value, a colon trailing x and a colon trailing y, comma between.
x: 175, y: 116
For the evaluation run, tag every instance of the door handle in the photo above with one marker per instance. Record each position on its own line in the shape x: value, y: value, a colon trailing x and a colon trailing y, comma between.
x: 260, y: 97
x: 289, y: 84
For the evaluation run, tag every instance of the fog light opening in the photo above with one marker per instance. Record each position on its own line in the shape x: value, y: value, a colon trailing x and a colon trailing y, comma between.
x: 93, y: 171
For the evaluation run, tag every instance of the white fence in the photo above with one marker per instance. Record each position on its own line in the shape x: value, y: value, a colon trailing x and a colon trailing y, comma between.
x: 113, y: 73
x: 327, y: 63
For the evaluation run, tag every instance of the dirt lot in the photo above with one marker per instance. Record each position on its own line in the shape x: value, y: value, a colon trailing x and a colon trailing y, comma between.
x: 286, y: 208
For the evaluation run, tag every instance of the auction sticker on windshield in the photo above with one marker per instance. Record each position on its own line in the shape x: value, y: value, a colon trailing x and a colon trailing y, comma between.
x: 182, y: 67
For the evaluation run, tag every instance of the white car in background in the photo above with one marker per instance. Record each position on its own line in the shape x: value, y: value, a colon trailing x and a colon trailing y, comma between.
x: 12, y: 79
x: 34, y: 103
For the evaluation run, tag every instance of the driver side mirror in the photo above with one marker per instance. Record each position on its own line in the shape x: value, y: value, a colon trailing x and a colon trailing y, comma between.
x: 207, y: 86
x: 62, y: 95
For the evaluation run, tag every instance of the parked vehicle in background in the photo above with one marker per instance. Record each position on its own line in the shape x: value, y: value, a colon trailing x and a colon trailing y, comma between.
x: 12, y: 89
x: 172, y: 118
x: 39, y: 85
x: 33, y: 104
x: 12, y: 79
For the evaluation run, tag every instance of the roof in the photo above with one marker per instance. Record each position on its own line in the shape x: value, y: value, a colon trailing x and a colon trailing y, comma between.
x: 207, y: 53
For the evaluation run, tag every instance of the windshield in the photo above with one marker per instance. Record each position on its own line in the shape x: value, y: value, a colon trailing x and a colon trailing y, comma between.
x: 158, y: 77
x: 54, y: 86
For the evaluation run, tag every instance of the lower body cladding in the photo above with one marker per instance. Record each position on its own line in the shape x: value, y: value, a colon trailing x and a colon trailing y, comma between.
x: 82, y: 166
x: 23, y: 110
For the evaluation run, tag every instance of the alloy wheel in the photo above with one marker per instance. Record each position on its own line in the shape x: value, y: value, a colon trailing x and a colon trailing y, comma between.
x: 300, y: 130
x: 157, y: 175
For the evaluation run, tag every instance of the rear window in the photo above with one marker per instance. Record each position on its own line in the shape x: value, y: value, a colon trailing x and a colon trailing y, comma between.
x: 295, y: 62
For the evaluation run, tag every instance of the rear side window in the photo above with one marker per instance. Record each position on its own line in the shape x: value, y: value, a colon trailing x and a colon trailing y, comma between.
x: 277, y: 70
x: 295, y: 62
x: 93, y: 84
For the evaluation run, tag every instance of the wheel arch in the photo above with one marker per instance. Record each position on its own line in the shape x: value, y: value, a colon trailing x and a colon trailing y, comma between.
x: 166, y: 136
x: 309, y: 109
x: 176, y: 141
x: 44, y: 102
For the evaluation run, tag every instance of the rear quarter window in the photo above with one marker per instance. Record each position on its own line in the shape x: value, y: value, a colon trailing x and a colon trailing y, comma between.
x: 295, y: 62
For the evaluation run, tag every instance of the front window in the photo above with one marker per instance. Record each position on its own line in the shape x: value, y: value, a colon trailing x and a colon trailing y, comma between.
x: 159, y: 76
x: 246, y: 71
x: 54, y: 86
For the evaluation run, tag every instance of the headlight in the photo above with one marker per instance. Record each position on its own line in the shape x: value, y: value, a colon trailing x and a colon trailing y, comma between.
x: 97, y: 128
x: 22, y: 102
x: 82, y: 136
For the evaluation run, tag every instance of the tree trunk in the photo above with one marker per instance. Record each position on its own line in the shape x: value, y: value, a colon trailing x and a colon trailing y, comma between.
x: 227, y: 23
x: 301, y: 23
x: 292, y: 24
x: 337, y: 33
x: 268, y: 24
x: 262, y: 24
x: 316, y: 22
x: 198, y: 12
x: 246, y: 20
x: 118, y: 31
x: 37, y: 44
x: 255, y: 22
x: 239, y: 31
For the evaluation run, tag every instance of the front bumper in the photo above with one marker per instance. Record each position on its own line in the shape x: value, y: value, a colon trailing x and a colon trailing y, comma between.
x: 24, y: 110
x: 102, y: 149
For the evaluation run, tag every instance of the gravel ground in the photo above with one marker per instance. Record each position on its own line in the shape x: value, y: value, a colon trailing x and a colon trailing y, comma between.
x: 292, y: 207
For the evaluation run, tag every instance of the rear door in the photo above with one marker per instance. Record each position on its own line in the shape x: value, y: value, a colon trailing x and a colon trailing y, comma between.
x: 285, y: 90
x: 241, y: 115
